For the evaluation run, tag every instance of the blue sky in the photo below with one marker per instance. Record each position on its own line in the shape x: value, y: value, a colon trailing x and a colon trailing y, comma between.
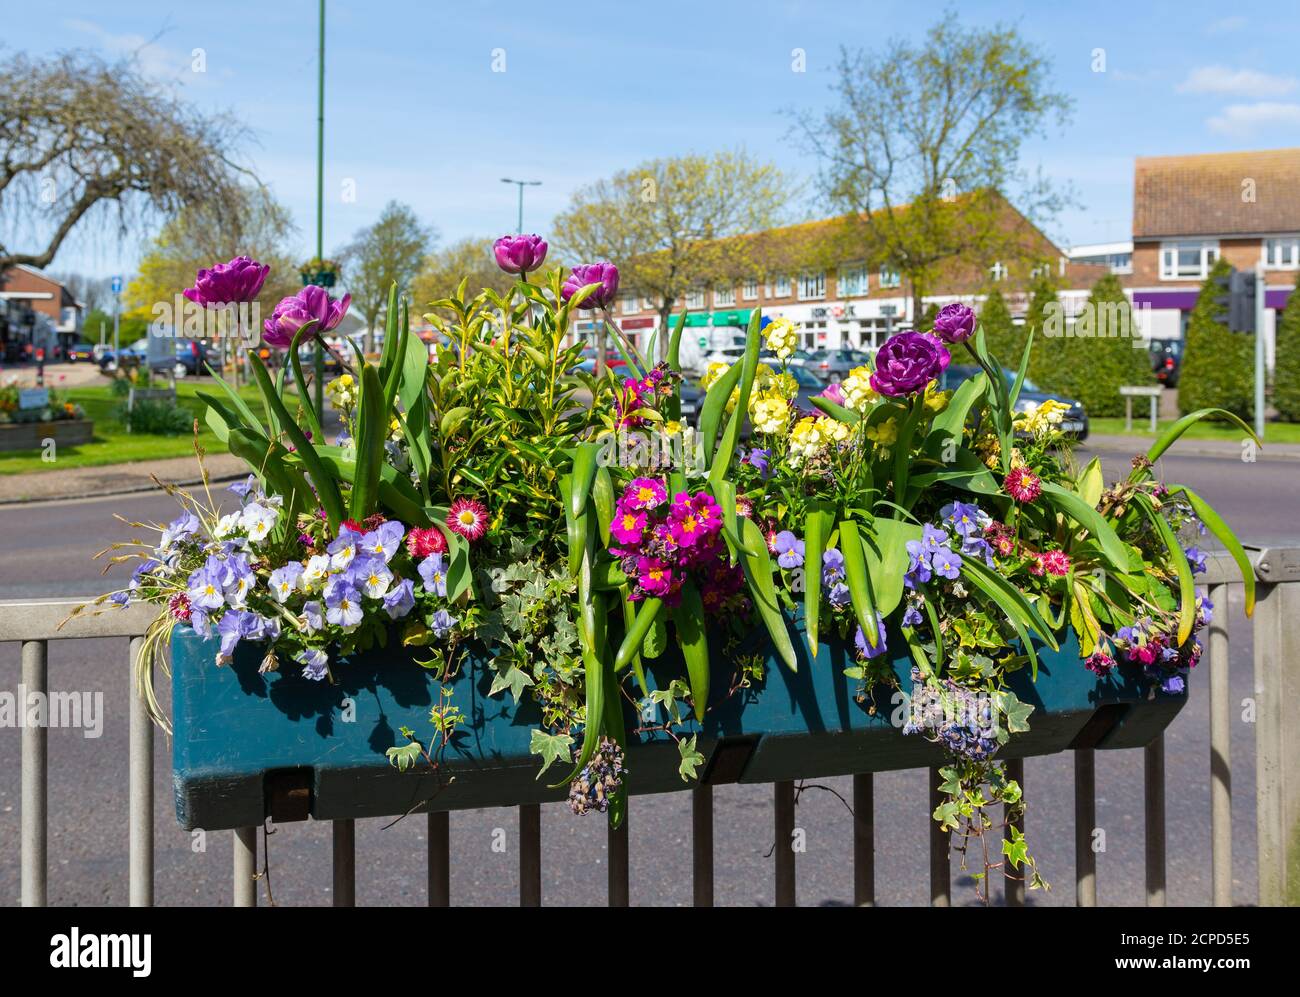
x: 415, y: 111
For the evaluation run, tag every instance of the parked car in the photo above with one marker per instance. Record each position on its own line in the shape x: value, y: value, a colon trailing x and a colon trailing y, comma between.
x: 1167, y: 360
x: 1074, y: 422
x: 81, y: 352
x: 834, y: 365
x: 612, y: 360
x: 726, y: 354
x: 799, y: 358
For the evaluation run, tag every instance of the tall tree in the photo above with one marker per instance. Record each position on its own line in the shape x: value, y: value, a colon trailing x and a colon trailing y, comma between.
x: 1286, y: 359
x: 1003, y: 337
x: 923, y: 149
x: 1044, y: 306
x: 83, y: 140
x: 1218, y: 364
x: 668, y: 223
x: 391, y: 251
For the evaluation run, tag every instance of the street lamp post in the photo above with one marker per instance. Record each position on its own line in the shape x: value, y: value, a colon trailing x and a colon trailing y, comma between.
x: 319, y: 360
x: 521, y: 184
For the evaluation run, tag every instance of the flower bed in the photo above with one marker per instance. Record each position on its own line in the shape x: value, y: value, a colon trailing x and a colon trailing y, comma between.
x: 31, y: 435
x: 485, y: 579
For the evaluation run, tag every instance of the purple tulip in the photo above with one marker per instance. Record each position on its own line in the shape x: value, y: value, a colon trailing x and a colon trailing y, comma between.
x: 955, y: 323
x: 604, y: 274
x: 907, y: 363
x: 228, y: 283
x: 519, y: 253
x: 312, y: 303
x: 833, y: 393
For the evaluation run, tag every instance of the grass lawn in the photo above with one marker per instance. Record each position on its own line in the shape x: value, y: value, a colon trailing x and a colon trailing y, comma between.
x: 112, y: 443
x: 1274, y: 432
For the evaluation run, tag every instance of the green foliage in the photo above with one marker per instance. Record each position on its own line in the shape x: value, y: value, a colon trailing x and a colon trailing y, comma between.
x: 1286, y: 363
x: 1005, y: 339
x: 1043, y: 303
x: 159, y: 417
x: 1218, y: 364
x: 1100, y: 352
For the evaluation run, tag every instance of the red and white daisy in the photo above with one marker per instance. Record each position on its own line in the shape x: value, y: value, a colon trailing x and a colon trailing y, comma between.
x: 423, y: 542
x: 1023, y: 485
x: 1056, y: 562
x: 468, y: 517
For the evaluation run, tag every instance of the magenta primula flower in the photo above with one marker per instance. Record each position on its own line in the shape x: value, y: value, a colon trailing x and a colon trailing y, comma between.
x: 643, y: 494
x: 654, y: 577
x: 628, y: 526
x: 708, y: 510
x: 686, y: 525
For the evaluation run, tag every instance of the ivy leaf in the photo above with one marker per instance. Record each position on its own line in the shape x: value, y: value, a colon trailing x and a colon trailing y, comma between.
x: 1016, y: 712
x: 946, y: 814
x: 951, y: 780
x: 691, y: 758
x: 513, y: 679
x: 1015, y: 848
x: 404, y: 756
x: 550, y: 747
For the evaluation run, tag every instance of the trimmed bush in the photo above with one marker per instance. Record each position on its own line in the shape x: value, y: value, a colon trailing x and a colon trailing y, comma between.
x: 1044, y: 358
x: 1218, y: 365
x: 1286, y: 362
x: 158, y: 418
x: 1005, y: 339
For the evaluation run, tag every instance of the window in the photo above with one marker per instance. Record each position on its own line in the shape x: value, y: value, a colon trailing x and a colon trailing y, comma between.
x: 812, y: 286
x: 1187, y: 259
x: 998, y: 271
x: 779, y: 288
x: 629, y: 305
x: 1282, y: 254
x: 724, y: 296
x: 648, y: 304
x: 889, y: 278
x: 749, y: 290
x: 853, y: 280
x: 695, y: 299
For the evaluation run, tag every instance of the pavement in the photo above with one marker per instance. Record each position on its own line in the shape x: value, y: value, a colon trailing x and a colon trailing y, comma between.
x: 115, y: 479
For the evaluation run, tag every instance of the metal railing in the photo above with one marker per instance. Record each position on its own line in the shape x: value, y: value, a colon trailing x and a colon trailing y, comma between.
x: 1277, y: 701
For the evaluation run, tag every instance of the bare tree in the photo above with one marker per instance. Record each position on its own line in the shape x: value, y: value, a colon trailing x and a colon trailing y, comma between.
x: 390, y: 251
x: 669, y: 224
x: 923, y: 149
x: 81, y: 137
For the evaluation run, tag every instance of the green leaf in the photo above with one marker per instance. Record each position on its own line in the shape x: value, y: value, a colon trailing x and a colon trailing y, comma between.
x: 715, y: 405
x: 404, y: 756
x: 1216, y: 525
x: 689, y: 620
x: 731, y: 435
x: 551, y: 747
x: 1011, y: 600
x: 758, y: 572
x: 636, y: 633
x: 1090, y: 519
x: 885, y: 551
x: 1170, y: 436
x: 308, y: 329
x: 584, y: 473
x: 819, y: 520
x: 372, y: 431
x: 691, y: 758
x: 1186, y: 585
x: 836, y: 412
x: 858, y: 581
x: 1020, y: 374
x: 514, y: 678
x: 602, y: 494
x: 675, y: 343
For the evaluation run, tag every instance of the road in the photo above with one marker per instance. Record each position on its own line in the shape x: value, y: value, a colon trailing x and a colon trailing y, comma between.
x: 46, y: 552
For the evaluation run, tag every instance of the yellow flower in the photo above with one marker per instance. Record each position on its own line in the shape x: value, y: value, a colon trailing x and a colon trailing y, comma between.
x: 935, y: 400
x: 859, y: 395
x: 885, y: 433
x: 672, y: 427
x: 768, y: 412
x: 1043, y: 417
x: 716, y: 370
x: 781, y: 337
x: 805, y: 439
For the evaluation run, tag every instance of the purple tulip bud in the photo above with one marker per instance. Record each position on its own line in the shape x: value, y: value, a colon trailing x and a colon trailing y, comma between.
x: 228, y: 283
x: 312, y: 303
x: 519, y: 253
x: 907, y: 362
x: 955, y: 323
x: 604, y: 274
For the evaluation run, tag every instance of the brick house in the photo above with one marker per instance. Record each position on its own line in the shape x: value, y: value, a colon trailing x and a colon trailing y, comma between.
x: 1188, y: 211
x: 40, y: 313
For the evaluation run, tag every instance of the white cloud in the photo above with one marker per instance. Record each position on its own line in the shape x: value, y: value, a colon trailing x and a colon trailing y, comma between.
x: 1237, y: 82
x: 1242, y: 120
x: 152, y: 58
x: 1225, y: 25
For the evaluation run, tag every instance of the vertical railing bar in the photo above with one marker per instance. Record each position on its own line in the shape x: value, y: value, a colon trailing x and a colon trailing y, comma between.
x: 1013, y: 880
x: 617, y: 839
x: 530, y: 855
x: 702, y: 845
x: 1154, y: 771
x: 245, y: 871
x: 1085, y: 823
x: 140, y: 786
x: 783, y: 800
x: 864, y: 841
x: 35, y: 794
x: 440, y: 859
x: 940, y: 867
x: 345, y: 863
x: 1220, y: 755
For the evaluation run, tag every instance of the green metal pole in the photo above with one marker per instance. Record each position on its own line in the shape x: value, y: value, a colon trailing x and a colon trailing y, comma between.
x: 320, y: 197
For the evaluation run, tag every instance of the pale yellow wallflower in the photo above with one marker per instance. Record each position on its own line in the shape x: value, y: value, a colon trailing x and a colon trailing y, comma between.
x: 859, y: 395
x: 1042, y: 417
x: 768, y: 412
x: 989, y: 448
x: 805, y: 440
x: 714, y: 371
x: 781, y: 337
x: 935, y: 400
x: 885, y: 433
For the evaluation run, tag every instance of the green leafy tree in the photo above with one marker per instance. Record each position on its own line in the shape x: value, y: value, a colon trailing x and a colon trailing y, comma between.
x: 470, y: 258
x: 927, y: 320
x: 1218, y: 364
x: 1044, y: 308
x: 391, y: 251
x: 1005, y: 339
x: 1286, y: 365
x: 1101, y: 353
x: 922, y: 147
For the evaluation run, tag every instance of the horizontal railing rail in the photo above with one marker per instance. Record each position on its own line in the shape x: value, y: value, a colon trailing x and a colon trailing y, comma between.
x: 35, y: 622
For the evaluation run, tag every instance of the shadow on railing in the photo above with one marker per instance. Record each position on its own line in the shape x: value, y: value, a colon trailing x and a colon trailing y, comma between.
x: 34, y: 623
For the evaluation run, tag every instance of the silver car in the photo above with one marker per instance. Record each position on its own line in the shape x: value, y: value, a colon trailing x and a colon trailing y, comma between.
x: 834, y: 365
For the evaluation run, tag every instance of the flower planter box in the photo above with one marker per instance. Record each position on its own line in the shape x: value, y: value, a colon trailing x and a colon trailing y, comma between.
x: 32, y: 435
x: 248, y: 746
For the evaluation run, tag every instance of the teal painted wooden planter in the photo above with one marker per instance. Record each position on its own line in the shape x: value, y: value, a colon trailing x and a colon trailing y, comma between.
x: 248, y: 746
